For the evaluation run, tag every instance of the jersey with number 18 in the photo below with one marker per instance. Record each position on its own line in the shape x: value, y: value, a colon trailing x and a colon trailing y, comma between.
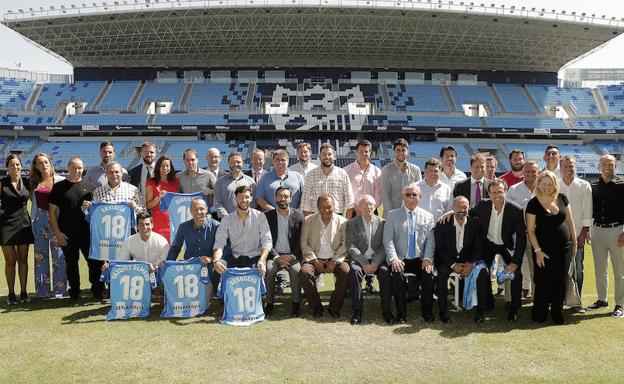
x: 184, y: 283
x: 111, y: 225
x: 241, y: 290
x: 179, y: 207
x: 131, y: 284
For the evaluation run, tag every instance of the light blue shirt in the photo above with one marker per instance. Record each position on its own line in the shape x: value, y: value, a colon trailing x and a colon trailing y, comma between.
x: 269, y: 183
x: 396, y: 234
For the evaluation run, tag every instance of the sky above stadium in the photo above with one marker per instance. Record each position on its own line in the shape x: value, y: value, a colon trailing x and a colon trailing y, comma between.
x: 17, y: 52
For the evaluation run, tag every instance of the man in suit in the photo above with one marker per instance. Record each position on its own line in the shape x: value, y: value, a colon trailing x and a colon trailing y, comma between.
x: 458, y: 246
x: 504, y: 233
x: 474, y: 188
x: 366, y: 254
x: 409, y: 244
x: 145, y: 170
x: 285, y: 224
x: 257, y: 165
x: 213, y: 157
x: 324, y: 248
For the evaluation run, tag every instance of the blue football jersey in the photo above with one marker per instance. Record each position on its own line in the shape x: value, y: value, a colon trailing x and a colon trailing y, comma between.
x: 111, y: 225
x: 131, y: 284
x: 185, y: 291
x: 179, y: 207
x: 241, y: 290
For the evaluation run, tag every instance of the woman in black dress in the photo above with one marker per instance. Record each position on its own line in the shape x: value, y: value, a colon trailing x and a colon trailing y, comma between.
x: 15, y: 229
x: 552, y: 235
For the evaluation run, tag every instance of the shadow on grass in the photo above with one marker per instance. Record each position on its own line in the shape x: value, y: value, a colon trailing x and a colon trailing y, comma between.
x: 47, y: 304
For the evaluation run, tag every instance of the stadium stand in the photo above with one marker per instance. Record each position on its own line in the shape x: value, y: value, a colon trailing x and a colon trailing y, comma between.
x: 581, y: 100
x: 13, y: 119
x: 523, y: 122
x: 119, y: 96
x: 105, y: 119
x: 473, y: 94
x: 514, y: 99
x: 417, y: 98
x: 614, y: 98
x: 14, y: 93
x: 162, y: 92
x: 217, y: 97
x: 52, y: 95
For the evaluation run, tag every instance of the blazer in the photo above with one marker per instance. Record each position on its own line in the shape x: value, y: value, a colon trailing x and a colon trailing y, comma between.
x: 135, y: 175
x: 311, y: 237
x: 462, y: 188
x: 295, y: 221
x: 396, y: 233
x: 513, y: 231
x: 446, y: 243
x: 357, y: 244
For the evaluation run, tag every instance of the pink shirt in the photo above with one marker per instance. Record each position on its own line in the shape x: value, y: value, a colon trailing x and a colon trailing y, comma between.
x: 365, y: 182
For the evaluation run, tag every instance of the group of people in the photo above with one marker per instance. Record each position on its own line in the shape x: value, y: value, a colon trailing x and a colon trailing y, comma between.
x: 522, y: 234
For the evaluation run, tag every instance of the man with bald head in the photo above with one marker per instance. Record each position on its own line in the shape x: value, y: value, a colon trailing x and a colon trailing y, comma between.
x: 213, y: 157
x: 324, y: 249
x: 607, y: 233
x: 459, y: 245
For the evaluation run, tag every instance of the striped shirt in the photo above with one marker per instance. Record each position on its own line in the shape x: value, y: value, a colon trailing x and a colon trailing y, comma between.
x: 365, y: 182
x: 336, y: 184
x: 123, y: 193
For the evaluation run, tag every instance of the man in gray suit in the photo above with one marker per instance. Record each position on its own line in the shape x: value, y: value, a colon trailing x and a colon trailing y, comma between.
x: 410, y: 244
x: 366, y: 253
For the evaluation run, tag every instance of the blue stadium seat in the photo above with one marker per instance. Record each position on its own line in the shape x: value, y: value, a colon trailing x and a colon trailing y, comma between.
x: 119, y: 96
x: 14, y: 93
x: 580, y: 99
x: 417, y: 98
x: 514, y: 99
x: 163, y: 92
x: 217, y: 97
x: 52, y: 95
x: 472, y: 94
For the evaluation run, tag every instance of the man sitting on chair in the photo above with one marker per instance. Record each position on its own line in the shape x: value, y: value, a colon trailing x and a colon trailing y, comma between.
x: 459, y: 245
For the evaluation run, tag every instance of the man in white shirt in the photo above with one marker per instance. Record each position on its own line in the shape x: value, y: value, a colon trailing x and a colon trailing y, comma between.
x: 450, y: 175
x: 304, y: 165
x: 437, y: 197
x: 145, y: 245
x: 552, y: 156
x: 579, y: 194
x: 519, y: 195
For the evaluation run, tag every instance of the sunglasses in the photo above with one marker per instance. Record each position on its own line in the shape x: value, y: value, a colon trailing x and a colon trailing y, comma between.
x: 412, y: 195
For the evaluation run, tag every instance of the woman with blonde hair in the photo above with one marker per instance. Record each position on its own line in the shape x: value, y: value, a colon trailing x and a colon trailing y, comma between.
x: 552, y: 235
x: 15, y: 228
x: 42, y: 178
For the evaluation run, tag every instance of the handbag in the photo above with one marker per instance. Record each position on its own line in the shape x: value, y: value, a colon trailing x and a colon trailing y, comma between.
x: 572, y: 295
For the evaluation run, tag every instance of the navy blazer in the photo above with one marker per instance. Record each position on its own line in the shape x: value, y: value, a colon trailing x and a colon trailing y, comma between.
x: 135, y: 175
x: 295, y: 221
x: 513, y: 231
x: 446, y: 243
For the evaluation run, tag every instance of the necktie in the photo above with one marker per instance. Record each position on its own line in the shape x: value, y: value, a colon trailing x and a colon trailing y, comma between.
x: 477, y: 193
x: 150, y: 171
x: 257, y: 177
x: 412, y: 237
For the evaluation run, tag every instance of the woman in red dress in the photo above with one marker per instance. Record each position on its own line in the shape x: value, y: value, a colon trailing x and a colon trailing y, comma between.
x: 164, y: 181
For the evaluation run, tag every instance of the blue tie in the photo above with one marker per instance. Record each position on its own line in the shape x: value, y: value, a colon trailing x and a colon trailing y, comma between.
x: 412, y: 238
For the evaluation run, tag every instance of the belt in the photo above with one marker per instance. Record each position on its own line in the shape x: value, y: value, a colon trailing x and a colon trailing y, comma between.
x: 609, y: 225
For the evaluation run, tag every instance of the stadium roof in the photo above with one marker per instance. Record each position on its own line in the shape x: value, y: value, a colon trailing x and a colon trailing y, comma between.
x: 303, y: 33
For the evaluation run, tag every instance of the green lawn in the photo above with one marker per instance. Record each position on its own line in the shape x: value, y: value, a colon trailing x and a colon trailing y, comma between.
x: 59, y: 341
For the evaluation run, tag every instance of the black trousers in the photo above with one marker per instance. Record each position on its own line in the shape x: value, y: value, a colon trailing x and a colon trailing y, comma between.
x: 516, y: 283
x: 399, y: 287
x: 80, y: 241
x: 484, y: 289
x: 550, y: 282
x: 356, y: 274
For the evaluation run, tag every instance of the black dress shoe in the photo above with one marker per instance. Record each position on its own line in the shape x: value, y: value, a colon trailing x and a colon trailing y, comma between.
x: 356, y: 318
x: 428, y: 318
x: 318, y: 311
x: 295, y: 312
x: 388, y: 317
x: 401, y: 318
x: 512, y: 316
x: 444, y: 318
x: 268, y: 310
x: 479, y: 318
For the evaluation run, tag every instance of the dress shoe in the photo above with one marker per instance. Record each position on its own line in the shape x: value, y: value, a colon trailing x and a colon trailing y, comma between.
x: 512, y: 316
x: 558, y: 319
x: 428, y: 318
x: 618, y: 312
x: 401, y: 318
x: 268, y: 310
x: 356, y: 318
x: 444, y: 318
x: 318, y: 311
x: 334, y: 314
x: 388, y: 317
x: 479, y: 317
x: 598, y: 304
x: 295, y: 312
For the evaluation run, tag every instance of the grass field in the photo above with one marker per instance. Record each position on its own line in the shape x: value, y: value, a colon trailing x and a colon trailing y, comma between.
x: 62, y: 341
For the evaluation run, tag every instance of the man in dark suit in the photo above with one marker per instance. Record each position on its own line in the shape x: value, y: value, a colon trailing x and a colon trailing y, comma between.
x: 366, y: 253
x: 257, y: 165
x: 459, y: 245
x: 504, y: 234
x: 145, y: 170
x: 474, y: 188
x: 285, y: 224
